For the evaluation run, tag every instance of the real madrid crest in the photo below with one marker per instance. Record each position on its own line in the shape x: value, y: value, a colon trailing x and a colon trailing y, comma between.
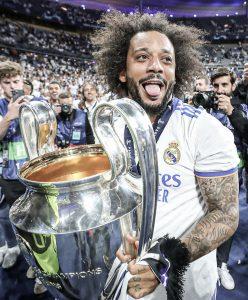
x: 172, y: 154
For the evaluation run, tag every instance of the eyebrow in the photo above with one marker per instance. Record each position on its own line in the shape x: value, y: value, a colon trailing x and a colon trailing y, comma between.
x: 147, y: 50
x: 221, y: 83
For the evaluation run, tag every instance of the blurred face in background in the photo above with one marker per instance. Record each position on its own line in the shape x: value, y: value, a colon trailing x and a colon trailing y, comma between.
x: 8, y: 84
x: 89, y: 93
x: 201, y: 85
x: 27, y: 89
x: 223, y: 86
x: 53, y: 92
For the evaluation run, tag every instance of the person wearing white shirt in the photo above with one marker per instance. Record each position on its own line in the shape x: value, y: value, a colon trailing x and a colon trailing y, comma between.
x: 152, y: 61
x: 89, y: 92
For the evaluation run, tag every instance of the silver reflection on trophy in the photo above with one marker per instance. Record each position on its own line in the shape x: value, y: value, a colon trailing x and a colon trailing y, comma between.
x: 81, y: 202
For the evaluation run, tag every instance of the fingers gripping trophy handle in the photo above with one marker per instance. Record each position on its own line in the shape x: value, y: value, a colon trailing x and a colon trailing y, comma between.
x: 38, y: 127
x: 142, y: 133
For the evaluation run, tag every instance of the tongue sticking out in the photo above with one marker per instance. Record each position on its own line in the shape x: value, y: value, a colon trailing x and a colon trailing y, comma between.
x: 152, y: 89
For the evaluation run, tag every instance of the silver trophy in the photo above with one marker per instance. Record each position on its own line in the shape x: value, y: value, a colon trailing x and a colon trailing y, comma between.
x: 81, y: 202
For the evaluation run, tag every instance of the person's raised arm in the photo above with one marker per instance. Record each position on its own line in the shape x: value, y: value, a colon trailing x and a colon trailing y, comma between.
x: 12, y: 113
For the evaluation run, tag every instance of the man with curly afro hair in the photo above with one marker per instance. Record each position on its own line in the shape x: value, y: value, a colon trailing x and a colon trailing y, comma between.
x: 152, y: 61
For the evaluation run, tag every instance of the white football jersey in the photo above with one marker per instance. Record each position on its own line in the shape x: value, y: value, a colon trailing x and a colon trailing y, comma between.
x: 192, y: 144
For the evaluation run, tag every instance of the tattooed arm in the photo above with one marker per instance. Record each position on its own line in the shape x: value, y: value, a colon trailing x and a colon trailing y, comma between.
x: 221, y: 221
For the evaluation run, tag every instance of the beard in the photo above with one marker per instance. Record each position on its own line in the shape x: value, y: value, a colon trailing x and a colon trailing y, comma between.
x: 150, y: 109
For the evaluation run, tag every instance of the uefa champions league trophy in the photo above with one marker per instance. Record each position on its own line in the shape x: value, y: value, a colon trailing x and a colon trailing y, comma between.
x: 81, y: 202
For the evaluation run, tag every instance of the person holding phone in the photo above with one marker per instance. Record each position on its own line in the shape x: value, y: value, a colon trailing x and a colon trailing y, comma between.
x: 73, y: 125
x: 13, y: 157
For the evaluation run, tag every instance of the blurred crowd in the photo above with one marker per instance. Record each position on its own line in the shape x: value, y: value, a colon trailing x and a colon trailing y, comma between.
x: 21, y: 35
x: 52, y: 12
x: 231, y: 31
x: 233, y: 56
x: 223, y: 29
x: 47, y: 54
x: 71, y: 73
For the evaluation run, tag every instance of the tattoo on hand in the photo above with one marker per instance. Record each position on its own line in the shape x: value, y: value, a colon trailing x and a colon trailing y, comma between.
x: 142, y: 269
x: 135, y: 278
x: 137, y: 288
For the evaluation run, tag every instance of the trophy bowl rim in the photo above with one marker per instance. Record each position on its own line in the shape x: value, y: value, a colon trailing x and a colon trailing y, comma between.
x: 96, y: 149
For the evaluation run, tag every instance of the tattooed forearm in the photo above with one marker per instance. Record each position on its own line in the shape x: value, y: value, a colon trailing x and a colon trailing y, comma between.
x: 221, y: 221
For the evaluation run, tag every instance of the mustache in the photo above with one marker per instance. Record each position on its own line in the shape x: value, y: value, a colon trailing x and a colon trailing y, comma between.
x: 153, y: 76
x: 225, y: 93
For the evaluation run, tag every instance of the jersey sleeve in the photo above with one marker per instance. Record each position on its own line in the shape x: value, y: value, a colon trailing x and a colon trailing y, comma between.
x: 216, y: 154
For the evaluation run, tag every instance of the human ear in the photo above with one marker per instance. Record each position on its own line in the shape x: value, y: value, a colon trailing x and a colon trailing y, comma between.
x: 122, y: 76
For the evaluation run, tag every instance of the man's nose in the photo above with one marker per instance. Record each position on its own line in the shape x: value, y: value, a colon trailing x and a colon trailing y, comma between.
x: 220, y: 90
x: 12, y: 85
x: 155, y: 65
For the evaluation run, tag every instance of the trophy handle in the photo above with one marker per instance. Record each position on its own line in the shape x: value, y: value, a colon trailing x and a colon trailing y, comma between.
x: 142, y: 133
x: 38, y: 127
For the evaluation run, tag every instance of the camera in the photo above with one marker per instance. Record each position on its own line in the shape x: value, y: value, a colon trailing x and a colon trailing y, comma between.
x: 65, y: 109
x: 205, y: 99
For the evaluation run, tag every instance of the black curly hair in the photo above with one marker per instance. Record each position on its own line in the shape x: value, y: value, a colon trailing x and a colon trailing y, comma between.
x: 113, y: 39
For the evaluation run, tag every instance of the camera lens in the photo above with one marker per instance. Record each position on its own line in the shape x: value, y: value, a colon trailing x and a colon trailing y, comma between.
x: 205, y: 99
x: 65, y: 108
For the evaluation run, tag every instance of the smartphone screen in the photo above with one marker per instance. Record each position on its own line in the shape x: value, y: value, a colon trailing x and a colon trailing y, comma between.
x: 16, y: 94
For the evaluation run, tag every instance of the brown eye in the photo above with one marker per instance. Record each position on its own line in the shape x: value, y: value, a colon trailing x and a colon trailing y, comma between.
x: 167, y: 59
x: 141, y: 57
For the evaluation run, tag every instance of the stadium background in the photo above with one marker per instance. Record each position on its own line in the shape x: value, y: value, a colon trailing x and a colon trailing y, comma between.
x: 51, y: 41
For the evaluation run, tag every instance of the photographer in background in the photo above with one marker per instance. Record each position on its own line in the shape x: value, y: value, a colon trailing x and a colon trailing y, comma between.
x: 224, y: 88
x: 73, y: 124
x: 223, y: 82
